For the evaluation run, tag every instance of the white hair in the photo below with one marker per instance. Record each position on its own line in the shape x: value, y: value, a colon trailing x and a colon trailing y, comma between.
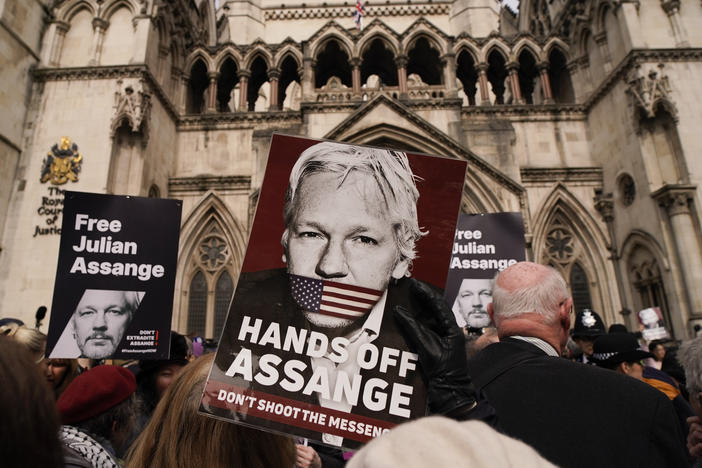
x: 543, y: 298
x: 690, y: 357
x: 390, y: 170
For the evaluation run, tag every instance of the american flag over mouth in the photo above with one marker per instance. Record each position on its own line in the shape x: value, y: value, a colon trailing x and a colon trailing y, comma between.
x: 334, y: 299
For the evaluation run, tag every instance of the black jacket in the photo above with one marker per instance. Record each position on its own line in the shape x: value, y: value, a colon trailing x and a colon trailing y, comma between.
x: 577, y: 415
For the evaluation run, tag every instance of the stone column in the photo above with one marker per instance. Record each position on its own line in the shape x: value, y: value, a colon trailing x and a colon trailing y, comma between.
x: 142, y: 35
x: 99, y: 28
x: 672, y: 9
x: 601, y: 41
x: 184, y: 82
x: 244, y: 76
x: 401, y: 63
x: 212, y: 91
x: 604, y: 204
x: 57, y: 47
x: 572, y: 69
x: 483, y: 84
x: 163, y: 52
x: 513, y: 69
x: 174, y: 86
x: 449, y: 63
x: 677, y: 200
x: 356, y: 76
x: 545, y: 82
x: 273, y: 77
x: 308, y: 85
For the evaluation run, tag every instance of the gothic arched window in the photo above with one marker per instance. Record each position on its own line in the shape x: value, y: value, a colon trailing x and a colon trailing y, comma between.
x: 197, y: 305
x: 424, y: 60
x: 580, y: 289
x: 332, y: 60
x: 197, y: 85
x: 648, y: 286
x: 223, y: 295
x: 212, y: 284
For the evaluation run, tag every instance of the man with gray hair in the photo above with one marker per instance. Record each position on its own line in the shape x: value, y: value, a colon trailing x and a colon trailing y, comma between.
x: 536, y: 393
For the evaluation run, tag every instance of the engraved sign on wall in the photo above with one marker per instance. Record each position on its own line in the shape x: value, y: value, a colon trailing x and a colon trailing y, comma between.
x: 62, y: 163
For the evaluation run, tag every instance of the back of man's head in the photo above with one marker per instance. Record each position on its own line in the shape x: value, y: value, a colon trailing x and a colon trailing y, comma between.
x: 530, y: 299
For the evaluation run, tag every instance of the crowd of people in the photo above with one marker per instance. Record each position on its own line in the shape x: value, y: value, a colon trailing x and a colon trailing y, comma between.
x: 521, y: 398
x: 525, y: 382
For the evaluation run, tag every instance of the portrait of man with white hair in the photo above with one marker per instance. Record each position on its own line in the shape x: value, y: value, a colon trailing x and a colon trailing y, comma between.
x: 98, y: 323
x: 350, y: 238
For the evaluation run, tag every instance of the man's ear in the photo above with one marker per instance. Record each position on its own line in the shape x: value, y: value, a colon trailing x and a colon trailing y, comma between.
x: 564, y: 314
x: 400, y: 269
x: 491, y: 312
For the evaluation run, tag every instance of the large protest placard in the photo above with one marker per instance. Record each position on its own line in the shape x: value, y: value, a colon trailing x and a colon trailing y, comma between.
x: 113, y: 295
x: 310, y: 346
x: 485, y: 244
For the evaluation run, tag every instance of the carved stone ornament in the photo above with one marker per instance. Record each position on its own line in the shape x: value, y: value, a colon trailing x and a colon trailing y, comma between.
x: 133, y: 104
x: 675, y: 198
x: 213, y: 251
x: 62, y: 163
x: 604, y: 204
x: 648, y: 91
x: 559, y: 244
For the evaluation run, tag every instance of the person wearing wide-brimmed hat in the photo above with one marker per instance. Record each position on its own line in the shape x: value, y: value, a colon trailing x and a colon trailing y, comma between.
x: 620, y: 352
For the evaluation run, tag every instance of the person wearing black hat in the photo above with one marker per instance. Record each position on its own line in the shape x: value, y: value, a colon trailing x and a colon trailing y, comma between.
x: 620, y: 352
x: 588, y: 326
x: 617, y: 328
x: 155, y: 375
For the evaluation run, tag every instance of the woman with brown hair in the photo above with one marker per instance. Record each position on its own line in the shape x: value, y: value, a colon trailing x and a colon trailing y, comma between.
x: 177, y: 436
x: 30, y: 422
x: 60, y: 373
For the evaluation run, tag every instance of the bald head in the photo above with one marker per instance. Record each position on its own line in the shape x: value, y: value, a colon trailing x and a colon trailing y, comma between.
x: 532, y: 300
x: 523, y: 275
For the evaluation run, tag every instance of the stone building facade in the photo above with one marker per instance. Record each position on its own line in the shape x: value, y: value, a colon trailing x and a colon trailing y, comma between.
x: 580, y: 114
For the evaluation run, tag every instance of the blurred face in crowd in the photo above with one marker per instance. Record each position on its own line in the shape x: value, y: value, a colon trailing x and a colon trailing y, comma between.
x: 164, y: 377
x: 343, y: 234
x: 473, y: 297
x: 658, y: 352
x: 55, y: 371
x: 632, y: 369
x: 585, y: 343
x: 100, y: 321
x: 696, y: 402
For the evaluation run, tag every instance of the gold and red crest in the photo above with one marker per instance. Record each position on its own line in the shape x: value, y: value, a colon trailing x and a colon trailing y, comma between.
x: 62, y: 163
